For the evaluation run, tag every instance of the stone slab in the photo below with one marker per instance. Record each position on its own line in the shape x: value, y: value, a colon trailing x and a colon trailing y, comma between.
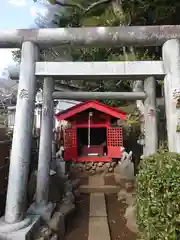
x: 76, y: 183
x: 60, y: 167
x: 26, y: 233
x: 96, y: 180
x: 57, y: 223
x: 97, y: 70
x: 106, y: 189
x: 97, y: 205
x: 45, y: 211
x: 98, y: 229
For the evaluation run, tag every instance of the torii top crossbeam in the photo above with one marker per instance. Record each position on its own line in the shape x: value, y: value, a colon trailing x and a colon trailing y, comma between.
x: 99, y: 36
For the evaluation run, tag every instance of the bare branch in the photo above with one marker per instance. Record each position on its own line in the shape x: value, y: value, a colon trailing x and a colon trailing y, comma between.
x: 96, y: 4
x: 72, y: 5
x: 80, y: 7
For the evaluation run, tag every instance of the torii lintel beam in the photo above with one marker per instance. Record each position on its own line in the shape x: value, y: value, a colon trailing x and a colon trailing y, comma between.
x: 93, y: 36
x: 100, y: 95
x: 132, y: 70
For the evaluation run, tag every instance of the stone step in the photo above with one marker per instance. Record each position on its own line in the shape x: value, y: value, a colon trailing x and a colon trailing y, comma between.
x: 106, y: 189
x: 97, y: 205
x: 96, y: 180
x: 98, y: 229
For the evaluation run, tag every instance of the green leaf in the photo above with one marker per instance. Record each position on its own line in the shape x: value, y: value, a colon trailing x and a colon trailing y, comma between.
x: 158, y: 194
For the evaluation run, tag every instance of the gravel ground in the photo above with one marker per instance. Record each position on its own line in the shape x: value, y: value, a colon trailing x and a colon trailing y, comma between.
x: 116, y: 220
x: 77, y: 228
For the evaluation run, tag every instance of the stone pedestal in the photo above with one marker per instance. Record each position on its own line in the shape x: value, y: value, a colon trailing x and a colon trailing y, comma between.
x: 60, y: 167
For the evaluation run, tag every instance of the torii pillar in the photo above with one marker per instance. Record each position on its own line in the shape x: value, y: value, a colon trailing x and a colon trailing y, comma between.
x: 171, y: 61
x: 15, y: 211
x: 150, y: 117
x: 42, y: 206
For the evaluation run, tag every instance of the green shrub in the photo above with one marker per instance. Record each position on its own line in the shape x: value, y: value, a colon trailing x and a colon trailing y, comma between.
x: 158, y: 197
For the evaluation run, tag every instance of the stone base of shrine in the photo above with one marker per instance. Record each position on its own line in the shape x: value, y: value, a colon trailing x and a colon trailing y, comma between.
x: 93, y: 167
x: 26, y: 233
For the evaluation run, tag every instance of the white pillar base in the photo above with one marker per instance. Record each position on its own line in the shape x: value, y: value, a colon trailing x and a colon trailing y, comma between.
x: 22, y: 230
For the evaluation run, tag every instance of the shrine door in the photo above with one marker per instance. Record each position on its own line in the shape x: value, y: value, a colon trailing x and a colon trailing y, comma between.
x: 114, y: 141
x: 70, y: 144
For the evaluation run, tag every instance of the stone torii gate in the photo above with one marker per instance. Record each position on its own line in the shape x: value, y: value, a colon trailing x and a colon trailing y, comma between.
x: 17, y: 224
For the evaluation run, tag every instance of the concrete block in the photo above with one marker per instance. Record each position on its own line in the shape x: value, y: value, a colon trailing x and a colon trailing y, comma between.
x: 66, y: 208
x: 96, y: 180
x: 106, y: 189
x: 98, y: 229
x: 75, y: 183
x: 68, y: 186
x: 97, y: 205
x: 60, y: 167
x: 76, y: 193
x: 45, y: 211
x: 130, y: 216
x: 126, y: 168
x: 43, y: 232
x: 57, y: 223
x: 70, y: 196
x: 25, y: 233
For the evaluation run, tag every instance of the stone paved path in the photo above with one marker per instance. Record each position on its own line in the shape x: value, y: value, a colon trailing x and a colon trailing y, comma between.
x: 98, y: 223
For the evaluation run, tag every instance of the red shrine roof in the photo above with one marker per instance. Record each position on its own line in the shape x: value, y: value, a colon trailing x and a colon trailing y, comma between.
x: 112, y: 111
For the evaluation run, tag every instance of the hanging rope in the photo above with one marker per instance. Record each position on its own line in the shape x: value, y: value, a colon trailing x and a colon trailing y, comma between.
x: 89, y: 129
